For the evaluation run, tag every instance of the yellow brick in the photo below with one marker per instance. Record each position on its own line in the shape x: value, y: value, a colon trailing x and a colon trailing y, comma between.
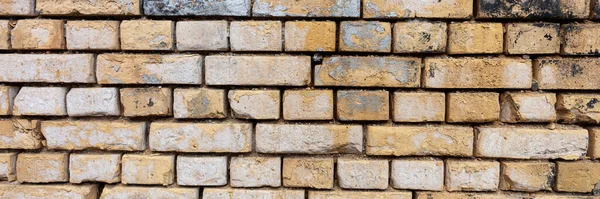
x: 98, y: 7
x: 380, y: 71
x: 4, y: 33
x: 306, y: 8
x: 113, y: 68
x: 308, y: 172
x: 146, y: 101
x: 199, y: 103
x: 57, y: 191
x: 473, y: 107
x: 310, y: 36
x: 580, y: 176
x: 532, y: 38
x: 359, y: 195
x: 420, y: 140
x: 456, y: 9
x: 17, y: 7
x: 594, y: 148
x: 8, y: 162
x: 38, y: 34
x: 578, y: 108
x: 475, y: 38
x: 567, y: 73
x: 43, y: 167
x: 20, y: 134
x: 527, y: 107
x: 96, y: 35
x: 7, y: 97
x: 472, y: 175
x: 580, y: 39
x: 420, y: 37
x: 527, y: 176
x: 146, y: 35
x: 308, y: 105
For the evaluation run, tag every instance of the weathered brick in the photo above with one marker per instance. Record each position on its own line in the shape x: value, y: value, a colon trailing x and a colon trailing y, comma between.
x: 50, y: 68
x: 454, y: 9
x: 579, y: 39
x: 201, y: 171
x: 41, y: 101
x: 566, y: 73
x: 200, y: 137
x: 307, y: 8
x: 308, y: 139
x: 120, y: 191
x: 419, y: 107
x: 20, y: 134
x: 475, y: 38
x: 308, y: 105
x: 426, y: 174
x: 578, y: 108
x: 38, y: 34
x: 532, y: 38
x: 95, y: 168
x: 7, y: 98
x: 469, y: 175
x: 100, y: 7
x: 527, y: 107
x: 254, y: 104
x: 363, y: 105
x: 528, y: 142
x: 420, y: 37
x: 92, y: 35
x: 371, y: 71
x: 365, y: 36
x: 581, y: 176
x: 255, y: 36
x: 148, y: 169
x: 358, y: 194
x: 308, y: 172
x: 17, y: 7
x: 149, y: 69
x: 202, y: 35
x: 197, y: 7
x: 199, y: 103
x: 102, y: 135
x: 49, y: 167
x: 93, y: 102
x: 569, y: 9
x: 527, y: 176
x: 255, y: 172
x: 146, y: 35
x: 594, y: 145
x: 473, y: 107
x: 363, y: 174
x: 433, y: 140
x: 153, y: 101
x: 4, y: 33
x: 8, y: 163
x: 258, y: 70
x: 224, y: 193
x: 48, y: 191
x: 470, y: 195
x: 310, y: 36
x: 477, y: 73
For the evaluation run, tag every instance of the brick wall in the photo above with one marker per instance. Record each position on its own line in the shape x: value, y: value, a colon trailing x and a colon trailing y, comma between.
x: 300, y: 99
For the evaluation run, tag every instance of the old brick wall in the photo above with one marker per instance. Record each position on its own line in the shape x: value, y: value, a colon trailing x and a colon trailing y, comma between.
x: 300, y: 99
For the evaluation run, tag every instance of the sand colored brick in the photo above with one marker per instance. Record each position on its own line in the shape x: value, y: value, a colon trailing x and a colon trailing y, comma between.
x: 308, y: 105
x: 202, y: 35
x: 527, y: 107
x: 571, y: 9
x: 93, y: 102
x: 103, y: 135
x: 256, y: 36
x: 307, y: 8
x: 594, y: 145
x: 310, y: 36
x: 255, y: 172
x: 454, y: 9
x: 308, y: 172
x: 105, y: 167
x: 419, y: 107
x: 254, y: 104
x: 146, y: 35
x: 372, y: 71
x: 200, y: 137
x: 4, y: 34
x: 527, y: 176
x: 339, y: 194
x: 38, y: 34
x: 199, y: 103
x: 58, y: 191
x: 8, y: 166
x: 148, y: 169
x: 362, y: 174
x: 75, y: 7
x: 363, y: 105
x: 49, y: 68
x: 416, y: 174
x: 530, y: 142
x: 472, y: 195
x: 198, y: 8
x: 436, y: 140
x: 308, y: 139
x: 420, y: 37
x: 120, y: 191
x: 152, y: 101
x: 7, y: 98
x: 20, y: 134
x: 229, y: 193
x: 579, y: 39
x: 577, y: 176
x: 365, y: 36
x: 201, y: 171
x: 471, y: 175
x: 475, y: 38
x: 149, y: 69
x: 41, y: 101
x: 258, y: 70
x: 472, y: 107
x: 49, y: 167
x: 92, y: 35
x: 578, y: 108
x: 532, y: 38
x: 566, y: 73
x: 17, y: 7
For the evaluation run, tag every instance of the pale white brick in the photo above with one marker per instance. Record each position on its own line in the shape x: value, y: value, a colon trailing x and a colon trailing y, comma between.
x: 202, y: 35
x: 41, y: 101
x: 527, y: 107
x: 22, y: 191
x: 103, y: 135
x: 255, y: 171
x: 309, y: 139
x: 256, y: 36
x: 419, y: 107
x: 123, y: 192
x: 148, y: 169
x: 215, y: 193
x: 200, y: 137
x: 95, y: 168
x: 359, y: 194
x: 17, y: 7
x: 7, y: 99
x: 51, y: 68
x: 258, y: 70
x: 363, y: 174
x: 467, y: 175
x: 201, y: 171
x: 92, y: 35
x: 254, y: 104
x: 93, y: 102
x: 418, y: 174
x: 308, y: 105
x: 8, y: 162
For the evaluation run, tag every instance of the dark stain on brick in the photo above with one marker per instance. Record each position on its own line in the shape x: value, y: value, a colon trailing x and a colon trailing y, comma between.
x: 576, y: 70
x: 548, y: 37
x: 150, y: 102
x: 532, y: 9
x: 592, y: 103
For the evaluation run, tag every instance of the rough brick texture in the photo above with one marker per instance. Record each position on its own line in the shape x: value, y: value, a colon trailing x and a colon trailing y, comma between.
x: 50, y: 68
x: 148, y: 69
x: 92, y: 35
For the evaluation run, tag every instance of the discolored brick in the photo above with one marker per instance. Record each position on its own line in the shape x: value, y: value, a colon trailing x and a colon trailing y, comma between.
x: 20, y: 134
x: 475, y: 38
x: 578, y: 108
x: 199, y: 103
x: 200, y: 137
x: 148, y: 69
x: 579, y: 39
x: 17, y: 7
x: 594, y: 145
x: 532, y: 38
x: 472, y: 107
x: 452, y: 9
x: 202, y: 35
x: 420, y: 37
x: 7, y: 99
x: 254, y: 104
x: 308, y: 105
x: 419, y: 107
x: 120, y: 191
x: 307, y: 8
x: 255, y: 172
x: 48, y: 68
x: 256, y: 36
x: 385, y: 71
x: 197, y: 8
x: 93, y: 102
x: 49, y: 167
x: 38, y: 34
x: 308, y: 172
x: 92, y: 35
x: 362, y: 174
x: 339, y: 194
x: 99, y: 7
x: 363, y: 105
x: 8, y: 162
x: 365, y: 36
x: 58, y: 191
x: 95, y: 168
x: 310, y: 36
x: 570, y: 9
x: 4, y: 33
x: 102, y: 135
x: 527, y: 176
x: 527, y: 107
x: 229, y: 193
x: 308, y: 139
x: 566, y: 73
x: 470, y: 175
x: 146, y: 34
x: 152, y: 101
x: 148, y: 169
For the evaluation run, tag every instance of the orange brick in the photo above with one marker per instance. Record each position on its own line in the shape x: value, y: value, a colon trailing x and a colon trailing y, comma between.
x: 49, y: 167
x: 310, y: 36
x: 146, y: 35
x: 475, y: 38
x: 100, y: 7
x: 580, y: 176
x: 38, y: 34
x: 473, y: 107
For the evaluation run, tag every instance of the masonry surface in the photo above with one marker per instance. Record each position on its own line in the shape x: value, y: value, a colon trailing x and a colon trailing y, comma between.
x: 299, y: 99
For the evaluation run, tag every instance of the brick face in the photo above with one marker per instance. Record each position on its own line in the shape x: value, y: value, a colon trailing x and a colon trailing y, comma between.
x: 458, y: 9
x: 103, y: 135
x: 365, y: 36
x: 256, y: 36
x: 388, y: 72
x: 310, y: 36
x: 146, y: 35
x: 148, y: 170
x: 49, y: 68
x: 265, y: 70
x: 532, y: 38
x: 34, y: 34
x: 308, y: 139
x: 307, y: 8
x: 148, y: 69
x: 475, y: 38
x: 190, y: 137
x: 49, y: 167
x: 92, y: 35
x: 102, y: 7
